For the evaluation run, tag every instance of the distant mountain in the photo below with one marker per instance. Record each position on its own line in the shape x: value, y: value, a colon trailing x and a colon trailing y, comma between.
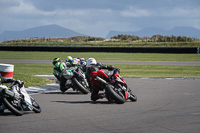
x: 41, y: 31
x: 148, y: 32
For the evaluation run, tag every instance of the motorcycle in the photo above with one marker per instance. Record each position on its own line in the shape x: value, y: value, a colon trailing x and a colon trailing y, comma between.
x: 115, y: 87
x: 15, y: 98
x: 76, y: 78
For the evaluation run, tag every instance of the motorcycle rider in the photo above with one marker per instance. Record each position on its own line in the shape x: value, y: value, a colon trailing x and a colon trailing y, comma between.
x: 76, y: 62
x: 68, y: 61
x: 4, y: 80
x: 59, y: 66
x: 92, y: 66
x: 8, y: 80
x: 83, y: 64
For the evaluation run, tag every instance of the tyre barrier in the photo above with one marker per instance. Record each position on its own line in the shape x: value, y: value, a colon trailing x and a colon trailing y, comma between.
x: 6, y: 71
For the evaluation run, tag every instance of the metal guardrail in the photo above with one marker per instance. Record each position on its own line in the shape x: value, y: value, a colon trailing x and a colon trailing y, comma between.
x: 103, y: 49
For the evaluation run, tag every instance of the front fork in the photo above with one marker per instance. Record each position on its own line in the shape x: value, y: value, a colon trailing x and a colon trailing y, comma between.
x: 82, y: 76
x: 124, y: 87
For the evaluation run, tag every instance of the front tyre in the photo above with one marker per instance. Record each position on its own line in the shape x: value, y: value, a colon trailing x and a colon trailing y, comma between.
x: 79, y: 86
x: 13, y: 105
x: 117, y: 96
x: 36, y: 107
x: 133, y: 97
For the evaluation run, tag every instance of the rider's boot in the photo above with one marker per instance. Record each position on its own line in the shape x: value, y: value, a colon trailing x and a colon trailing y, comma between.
x: 102, y: 95
x: 2, y: 108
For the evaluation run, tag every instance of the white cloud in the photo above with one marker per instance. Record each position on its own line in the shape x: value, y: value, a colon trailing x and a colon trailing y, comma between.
x: 176, y: 12
x: 98, y: 19
x: 23, y: 8
x: 195, y: 12
x: 135, y: 12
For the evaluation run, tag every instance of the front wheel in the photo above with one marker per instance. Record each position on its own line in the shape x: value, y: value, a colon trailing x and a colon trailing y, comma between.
x: 133, y: 97
x: 117, y: 96
x: 36, y: 107
x: 13, y: 105
x: 79, y: 86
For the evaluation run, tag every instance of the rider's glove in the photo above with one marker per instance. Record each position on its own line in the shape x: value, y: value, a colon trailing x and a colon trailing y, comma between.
x: 111, y: 67
x: 20, y: 83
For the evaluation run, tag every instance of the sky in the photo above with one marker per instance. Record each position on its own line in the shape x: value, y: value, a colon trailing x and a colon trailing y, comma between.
x: 98, y: 17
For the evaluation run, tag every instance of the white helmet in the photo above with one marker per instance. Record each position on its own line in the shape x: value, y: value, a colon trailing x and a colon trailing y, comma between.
x: 91, y: 61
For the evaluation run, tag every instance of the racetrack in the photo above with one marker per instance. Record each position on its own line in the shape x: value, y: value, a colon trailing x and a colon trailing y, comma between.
x: 112, y: 62
x: 163, y: 106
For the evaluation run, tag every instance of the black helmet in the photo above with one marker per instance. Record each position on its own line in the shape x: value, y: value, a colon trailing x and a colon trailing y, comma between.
x: 55, y: 60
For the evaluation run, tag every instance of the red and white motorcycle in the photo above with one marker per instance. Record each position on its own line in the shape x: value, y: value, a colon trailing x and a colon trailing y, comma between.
x: 114, y: 85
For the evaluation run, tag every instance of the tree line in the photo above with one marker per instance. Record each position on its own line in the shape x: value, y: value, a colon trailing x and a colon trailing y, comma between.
x: 117, y: 38
x: 154, y: 38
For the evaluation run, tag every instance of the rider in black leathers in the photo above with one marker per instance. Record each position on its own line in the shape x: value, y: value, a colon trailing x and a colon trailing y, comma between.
x: 4, y: 80
x: 92, y: 66
x: 9, y: 80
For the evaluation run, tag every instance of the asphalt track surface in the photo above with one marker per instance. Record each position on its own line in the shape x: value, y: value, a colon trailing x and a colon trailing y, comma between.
x: 163, y: 106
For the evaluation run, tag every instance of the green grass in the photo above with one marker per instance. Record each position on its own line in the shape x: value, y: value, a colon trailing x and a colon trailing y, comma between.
x: 159, y: 71
x: 24, y: 71
x: 99, y: 56
x: 31, y: 80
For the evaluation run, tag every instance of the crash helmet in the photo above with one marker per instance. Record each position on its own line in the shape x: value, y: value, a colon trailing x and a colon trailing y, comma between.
x: 75, y: 61
x: 56, y: 60
x: 82, y: 60
x: 69, y: 59
x: 91, y: 61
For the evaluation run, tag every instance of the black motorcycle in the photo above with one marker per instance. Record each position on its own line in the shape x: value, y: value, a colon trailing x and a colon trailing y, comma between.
x: 76, y: 79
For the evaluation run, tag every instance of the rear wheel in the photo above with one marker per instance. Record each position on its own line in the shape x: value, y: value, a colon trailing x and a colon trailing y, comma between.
x: 79, y: 86
x: 13, y: 105
x: 117, y: 96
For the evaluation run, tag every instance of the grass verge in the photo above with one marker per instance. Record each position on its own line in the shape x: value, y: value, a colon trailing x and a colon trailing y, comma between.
x: 24, y: 71
x: 19, y: 55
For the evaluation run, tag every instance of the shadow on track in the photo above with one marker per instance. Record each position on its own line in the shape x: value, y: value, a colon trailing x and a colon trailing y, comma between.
x: 68, y: 93
x: 8, y: 113
x: 83, y: 102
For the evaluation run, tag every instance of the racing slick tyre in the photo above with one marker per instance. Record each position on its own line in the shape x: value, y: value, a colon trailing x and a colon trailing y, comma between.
x: 79, y: 86
x: 36, y: 107
x: 133, y: 97
x: 118, y: 97
x: 13, y: 106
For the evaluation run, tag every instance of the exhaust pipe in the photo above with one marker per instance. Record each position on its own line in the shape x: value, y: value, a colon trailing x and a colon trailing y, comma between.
x: 102, y: 81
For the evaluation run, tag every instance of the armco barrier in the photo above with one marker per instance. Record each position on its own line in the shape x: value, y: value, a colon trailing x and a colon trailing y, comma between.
x: 102, y: 49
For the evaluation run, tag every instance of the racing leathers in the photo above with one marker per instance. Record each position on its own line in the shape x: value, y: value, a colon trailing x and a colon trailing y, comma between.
x: 58, y: 73
x: 95, y: 95
x: 11, y: 82
x: 4, y: 80
x: 77, y: 63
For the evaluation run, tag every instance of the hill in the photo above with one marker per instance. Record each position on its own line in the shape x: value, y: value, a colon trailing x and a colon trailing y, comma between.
x: 148, y: 32
x: 41, y: 31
